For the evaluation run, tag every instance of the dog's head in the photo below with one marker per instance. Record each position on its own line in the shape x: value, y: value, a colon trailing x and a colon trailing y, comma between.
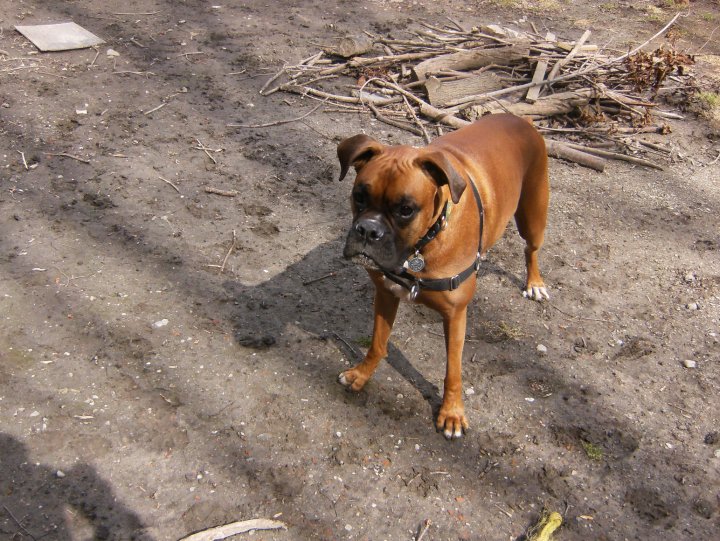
x: 398, y: 193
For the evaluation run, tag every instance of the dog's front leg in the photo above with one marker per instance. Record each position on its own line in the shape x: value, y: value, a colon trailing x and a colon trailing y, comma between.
x: 386, y: 305
x: 451, y: 419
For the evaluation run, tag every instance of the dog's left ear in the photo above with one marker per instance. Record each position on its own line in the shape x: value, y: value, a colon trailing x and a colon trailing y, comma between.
x: 439, y: 168
x: 356, y: 150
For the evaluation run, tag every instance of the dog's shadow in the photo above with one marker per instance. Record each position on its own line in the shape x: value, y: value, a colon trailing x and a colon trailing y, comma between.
x: 326, y: 297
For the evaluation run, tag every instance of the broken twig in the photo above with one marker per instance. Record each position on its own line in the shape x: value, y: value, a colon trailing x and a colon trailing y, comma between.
x: 234, y: 528
x: 65, y: 155
x: 170, y: 183
x: 217, y: 191
x: 232, y: 247
x: 277, y: 123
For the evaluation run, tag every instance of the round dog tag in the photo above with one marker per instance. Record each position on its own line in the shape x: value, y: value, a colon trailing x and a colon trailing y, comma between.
x: 416, y: 262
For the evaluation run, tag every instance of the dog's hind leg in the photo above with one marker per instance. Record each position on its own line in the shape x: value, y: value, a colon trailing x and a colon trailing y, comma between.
x: 531, y: 219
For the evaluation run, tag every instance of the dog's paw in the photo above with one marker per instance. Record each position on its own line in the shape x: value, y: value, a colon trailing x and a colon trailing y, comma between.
x: 536, y: 293
x: 353, y: 379
x: 452, y: 422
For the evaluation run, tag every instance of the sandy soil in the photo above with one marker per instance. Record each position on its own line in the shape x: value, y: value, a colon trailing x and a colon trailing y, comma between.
x: 151, y: 387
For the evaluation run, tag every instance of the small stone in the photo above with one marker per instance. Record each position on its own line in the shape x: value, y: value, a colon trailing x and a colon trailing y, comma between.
x: 717, y: 453
x: 59, y: 474
x: 470, y: 391
x: 693, y: 306
x: 711, y: 438
x: 703, y: 508
x: 338, y: 434
x: 689, y: 363
x: 541, y: 349
x: 112, y: 53
x: 160, y: 324
x: 348, y: 527
x: 690, y: 277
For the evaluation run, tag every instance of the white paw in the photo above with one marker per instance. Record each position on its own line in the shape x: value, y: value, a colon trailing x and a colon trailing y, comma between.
x: 450, y: 435
x: 343, y: 380
x: 536, y: 294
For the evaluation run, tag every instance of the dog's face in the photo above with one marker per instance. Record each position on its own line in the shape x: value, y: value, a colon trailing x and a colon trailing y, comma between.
x: 397, y: 195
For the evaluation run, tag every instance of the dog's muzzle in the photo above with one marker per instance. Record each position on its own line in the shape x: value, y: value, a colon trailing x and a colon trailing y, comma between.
x: 370, y: 230
x: 371, y: 240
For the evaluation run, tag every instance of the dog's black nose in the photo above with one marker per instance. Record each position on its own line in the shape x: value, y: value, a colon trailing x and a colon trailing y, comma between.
x: 370, y: 229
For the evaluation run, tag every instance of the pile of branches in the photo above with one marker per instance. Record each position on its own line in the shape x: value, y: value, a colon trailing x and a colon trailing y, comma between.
x: 448, y: 76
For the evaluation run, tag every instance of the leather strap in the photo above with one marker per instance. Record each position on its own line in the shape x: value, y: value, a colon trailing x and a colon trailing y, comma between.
x: 415, y: 284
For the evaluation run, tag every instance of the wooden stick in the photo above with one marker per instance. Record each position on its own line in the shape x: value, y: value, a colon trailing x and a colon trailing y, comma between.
x: 155, y: 108
x: 556, y: 149
x: 65, y: 155
x: 232, y: 247
x: 97, y: 53
x: 207, y: 150
x: 566, y: 77
x: 168, y: 182
x: 234, y: 528
x: 277, y: 123
x: 133, y: 72
x: 539, y: 74
x: 560, y: 63
x: 150, y: 13
x: 22, y: 154
x: 616, y: 156
x: 424, y: 133
x: 272, y: 80
x: 426, y: 525
x: 328, y: 275
x: 217, y: 191
x: 360, y: 62
x: 396, y: 123
x: 307, y: 91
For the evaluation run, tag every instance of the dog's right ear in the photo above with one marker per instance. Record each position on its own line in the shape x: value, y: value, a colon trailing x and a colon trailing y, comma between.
x: 356, y: 151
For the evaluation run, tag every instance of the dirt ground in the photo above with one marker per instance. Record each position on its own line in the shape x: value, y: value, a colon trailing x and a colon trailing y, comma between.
x: 151, y: 385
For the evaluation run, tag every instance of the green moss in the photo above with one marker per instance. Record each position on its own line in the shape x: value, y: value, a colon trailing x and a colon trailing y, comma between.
x: 594, y: 452
x: 364, y: 341
x: 710, y: 100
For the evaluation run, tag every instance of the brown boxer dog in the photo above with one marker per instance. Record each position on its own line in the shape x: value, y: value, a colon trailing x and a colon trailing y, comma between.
x: 422, y: 219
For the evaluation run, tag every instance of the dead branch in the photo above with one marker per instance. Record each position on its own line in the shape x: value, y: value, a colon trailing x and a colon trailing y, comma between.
x: 468, y: 60
x: 616, y: 156
x: 217, y: 191
x: 396, y: 123
x: 166, y: 181
x: 556, y: 149
x: 230, y: 250
x: 448, y: 76
x: 65, y: 155
x: 235, y: 528
x: 277, y: 123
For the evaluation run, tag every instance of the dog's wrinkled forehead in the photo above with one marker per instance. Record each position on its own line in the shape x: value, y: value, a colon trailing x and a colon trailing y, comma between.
x: 395, y: 174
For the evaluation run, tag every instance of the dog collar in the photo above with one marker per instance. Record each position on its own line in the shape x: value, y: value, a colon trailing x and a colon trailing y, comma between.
x: 416, y: 262
x: 413, y: 283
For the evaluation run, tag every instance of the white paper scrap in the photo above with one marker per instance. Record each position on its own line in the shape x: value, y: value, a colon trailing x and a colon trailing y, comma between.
x: 59, y: 37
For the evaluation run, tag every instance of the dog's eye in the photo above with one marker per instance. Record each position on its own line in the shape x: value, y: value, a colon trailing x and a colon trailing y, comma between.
x: 405, y: 211
x: 359, y: 200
